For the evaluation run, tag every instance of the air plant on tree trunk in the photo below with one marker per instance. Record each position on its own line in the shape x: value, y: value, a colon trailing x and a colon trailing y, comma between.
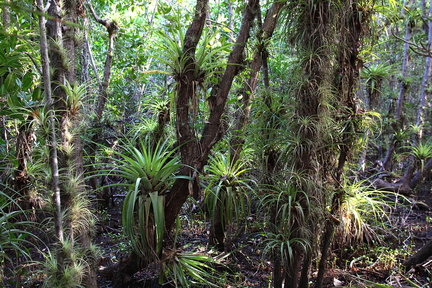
x: 226, y: 194
x: 149, y: 171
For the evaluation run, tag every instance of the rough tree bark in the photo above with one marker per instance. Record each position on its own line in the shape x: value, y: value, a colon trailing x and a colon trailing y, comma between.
x: 352, y: 27
x: 194, y: 152
x: 112, y: 28
x: 51, y: 122
x: 315, y: 28
x: 242, y: 115
x: 421, y: 255
x: 62, y: 29
x: 24, y: 147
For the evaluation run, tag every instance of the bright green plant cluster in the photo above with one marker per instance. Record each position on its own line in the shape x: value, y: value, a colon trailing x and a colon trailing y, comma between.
x: 227, y: 191
x: 149, y: 171
x: 189, y: 269
x: 282, y: 205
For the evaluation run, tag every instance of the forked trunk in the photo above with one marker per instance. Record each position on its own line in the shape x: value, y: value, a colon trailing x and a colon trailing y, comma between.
x: 194, y: 152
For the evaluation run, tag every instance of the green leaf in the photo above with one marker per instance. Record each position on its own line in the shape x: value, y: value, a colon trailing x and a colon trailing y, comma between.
x: 10, y: 83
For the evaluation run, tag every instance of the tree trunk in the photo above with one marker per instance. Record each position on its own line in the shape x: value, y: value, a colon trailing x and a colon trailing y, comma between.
x: 52, y: 136
x: 421, y: 255
x: 350, y: 30
x: 315, y: 27
x: 217, y: 231
x: 6, y: 14
x: 112, y: 28
x: 420, y: 110
x: 62, y: 57
x: 194, y: 153
x: 242, y: 115
x: 403, y: 86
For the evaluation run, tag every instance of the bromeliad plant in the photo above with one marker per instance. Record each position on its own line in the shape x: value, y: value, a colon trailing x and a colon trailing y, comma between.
x: 422, y: 152
x: 286, y: 232
x: 226, y: 194
x: 183, y: 268
x: 363, y: 210
x: 149, y: 171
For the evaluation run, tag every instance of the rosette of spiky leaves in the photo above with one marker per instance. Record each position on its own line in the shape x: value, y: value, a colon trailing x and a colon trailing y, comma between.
x: 283, y: 203
x: 149, y: 171
x: 75, y: 95
x: 189, y: 269
x: 422, y: 152
x: 206, y: 58
x: 374, y: 74
x: 362, y: 210
x: 227, y: 188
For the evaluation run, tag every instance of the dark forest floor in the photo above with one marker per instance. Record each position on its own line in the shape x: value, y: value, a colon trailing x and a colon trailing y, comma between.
x: 365, y: 266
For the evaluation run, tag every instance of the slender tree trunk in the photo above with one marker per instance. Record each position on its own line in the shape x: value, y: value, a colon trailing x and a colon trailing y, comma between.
x: 403, y: 86
x: 195, y: 153
x: 243, y: 114
x: 52, y: 136
x: 6, y: 14
x: 420, y: 110
x: 6, y: 25
x: 112, y: 28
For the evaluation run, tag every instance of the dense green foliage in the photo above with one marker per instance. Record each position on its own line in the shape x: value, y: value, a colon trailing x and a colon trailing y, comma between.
x: 324, y: 133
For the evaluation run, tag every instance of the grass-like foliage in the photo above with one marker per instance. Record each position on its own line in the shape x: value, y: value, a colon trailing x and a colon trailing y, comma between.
x: 14, y: 239
x: 71, y: 275
x: 284, y: 205
x: 362, y: 209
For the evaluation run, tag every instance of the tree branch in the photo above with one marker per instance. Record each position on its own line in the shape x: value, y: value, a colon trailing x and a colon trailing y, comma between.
x: 422, y: 50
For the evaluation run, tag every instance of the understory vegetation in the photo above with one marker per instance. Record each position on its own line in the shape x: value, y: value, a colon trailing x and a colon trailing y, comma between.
x: 162, y: 143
